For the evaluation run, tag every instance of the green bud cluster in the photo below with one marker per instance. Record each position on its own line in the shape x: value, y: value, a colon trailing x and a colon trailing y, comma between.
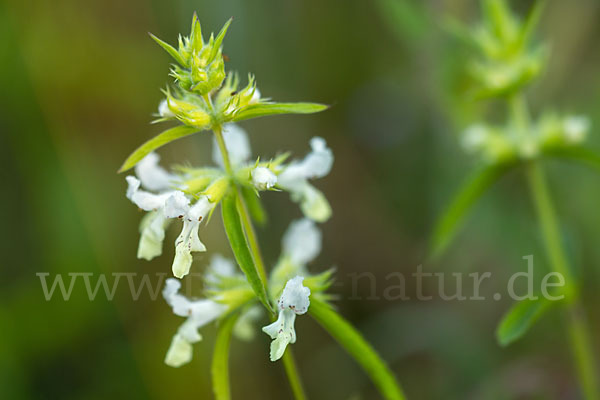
x: 508, y: 60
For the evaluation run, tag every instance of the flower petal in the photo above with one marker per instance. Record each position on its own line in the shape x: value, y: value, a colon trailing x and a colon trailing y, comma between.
x: 302, y: 241
x: 237, y: 144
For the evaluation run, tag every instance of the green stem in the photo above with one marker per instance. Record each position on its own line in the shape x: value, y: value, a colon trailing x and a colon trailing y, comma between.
x: 576, y: 322
x: 288, y: 360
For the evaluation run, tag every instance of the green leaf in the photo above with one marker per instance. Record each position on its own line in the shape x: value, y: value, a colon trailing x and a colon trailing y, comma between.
x: 517, y: 321
x: 239, y: 245
x: 579, y: 154
x: 255, y: 207
x: 467, y: 195
x: 157, y: 141
x: 169, y: 49
x: 220, y: 361
x: 353, y: 342
x: 264, y: 109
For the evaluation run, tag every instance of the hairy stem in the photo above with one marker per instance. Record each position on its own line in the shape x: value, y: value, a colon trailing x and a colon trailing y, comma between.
x: 288, y: 359
x: 576, y: 322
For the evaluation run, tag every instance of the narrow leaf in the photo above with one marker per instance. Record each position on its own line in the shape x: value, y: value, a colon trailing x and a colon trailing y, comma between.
x: 264, y: 109
x: 517, y: 321
x: 157, y: 141
x: 220, y: 361
x: 467, y: 195
x: 255, y: 207
x: 169, y: 49
x: 578, y: 154
x: 239, y: 245
x: 353, y: 342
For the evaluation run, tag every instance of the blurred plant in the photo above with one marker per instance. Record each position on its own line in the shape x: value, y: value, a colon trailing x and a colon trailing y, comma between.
x: 206, y: 98
x: 507, y: 61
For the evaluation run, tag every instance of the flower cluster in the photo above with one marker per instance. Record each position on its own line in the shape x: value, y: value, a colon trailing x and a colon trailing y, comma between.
x: 508, y: 60
x: 499, y: 144
x: 191, y: 194
x: 226, y: 290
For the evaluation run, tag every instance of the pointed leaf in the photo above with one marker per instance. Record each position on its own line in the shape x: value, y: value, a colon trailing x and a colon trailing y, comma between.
x: 220, y: 361
x: 353, y: 342
x: 578, y: 154
x: 517, y: 321
x: 466, y: 196
x: 169, y: 49
x: 264, y: 109
x: 157, y: 141
x: 220, y: 37
x: 239, y: 245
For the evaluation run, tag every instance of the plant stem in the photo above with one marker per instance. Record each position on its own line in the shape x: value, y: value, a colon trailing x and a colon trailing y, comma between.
x: 289, y: 362
x: 576, y: 322
x: 288, y: 358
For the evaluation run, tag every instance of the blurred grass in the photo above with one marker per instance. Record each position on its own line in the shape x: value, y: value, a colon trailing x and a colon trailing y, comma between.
x: 79, y: 81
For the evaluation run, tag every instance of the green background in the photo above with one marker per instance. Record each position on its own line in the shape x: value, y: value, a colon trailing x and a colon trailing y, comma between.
x: 79, y: 81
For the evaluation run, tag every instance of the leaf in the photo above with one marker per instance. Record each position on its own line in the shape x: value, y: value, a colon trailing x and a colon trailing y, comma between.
x: 579, y: 154
x: 157, y: 141
x: 255, y: 207
x: 467, y: 195
x: 169, y: 49
x: 264, y: 109
x: 353, y: 342
x: 220, y: 361
x: 517, y: 321
x: 239, y: 245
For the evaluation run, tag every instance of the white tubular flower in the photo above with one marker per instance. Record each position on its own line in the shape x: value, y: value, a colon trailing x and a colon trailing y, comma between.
x: 188, y: 240
x: 255, y: 97
x: 263, y: 178
x: 153, y: 176
x: 198, y: 313
x: 576, y: 128
x: 163, y: 109
x: 145, y: 200
x: 152, y: 230
x: 295, y: 177
x: 474, y: 138
x: 237, y: 144
x: 302, y: 242
x: 293, y: 301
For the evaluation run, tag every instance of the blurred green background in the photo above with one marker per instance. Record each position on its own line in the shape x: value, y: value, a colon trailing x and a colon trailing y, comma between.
x: 79, y: 80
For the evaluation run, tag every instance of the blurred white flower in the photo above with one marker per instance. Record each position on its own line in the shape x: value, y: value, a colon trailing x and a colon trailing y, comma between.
x: 576, y: 128
x: 294, y: 179
x: 237, y: 144
x: 198, y: 313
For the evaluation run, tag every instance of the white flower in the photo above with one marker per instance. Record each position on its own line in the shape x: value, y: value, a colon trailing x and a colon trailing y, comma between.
x: 237, y: 144
x: 188, y: 240
x: 153, y: 176
x: 576, y: 128
x: 198, y: 313
x: 293, y: 301
x: 220, y: 267
x: 171, y: 204
x: 152, y: 234
x: 255, y: 97
x: 294, y: 178
x: 244, y: 328
x: 474, y: 138
x: 163, y: 109
x: 302, y: 241
x: 263, y: 178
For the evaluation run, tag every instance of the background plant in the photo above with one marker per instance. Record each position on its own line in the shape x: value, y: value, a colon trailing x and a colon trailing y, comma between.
x: 508, y: 61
